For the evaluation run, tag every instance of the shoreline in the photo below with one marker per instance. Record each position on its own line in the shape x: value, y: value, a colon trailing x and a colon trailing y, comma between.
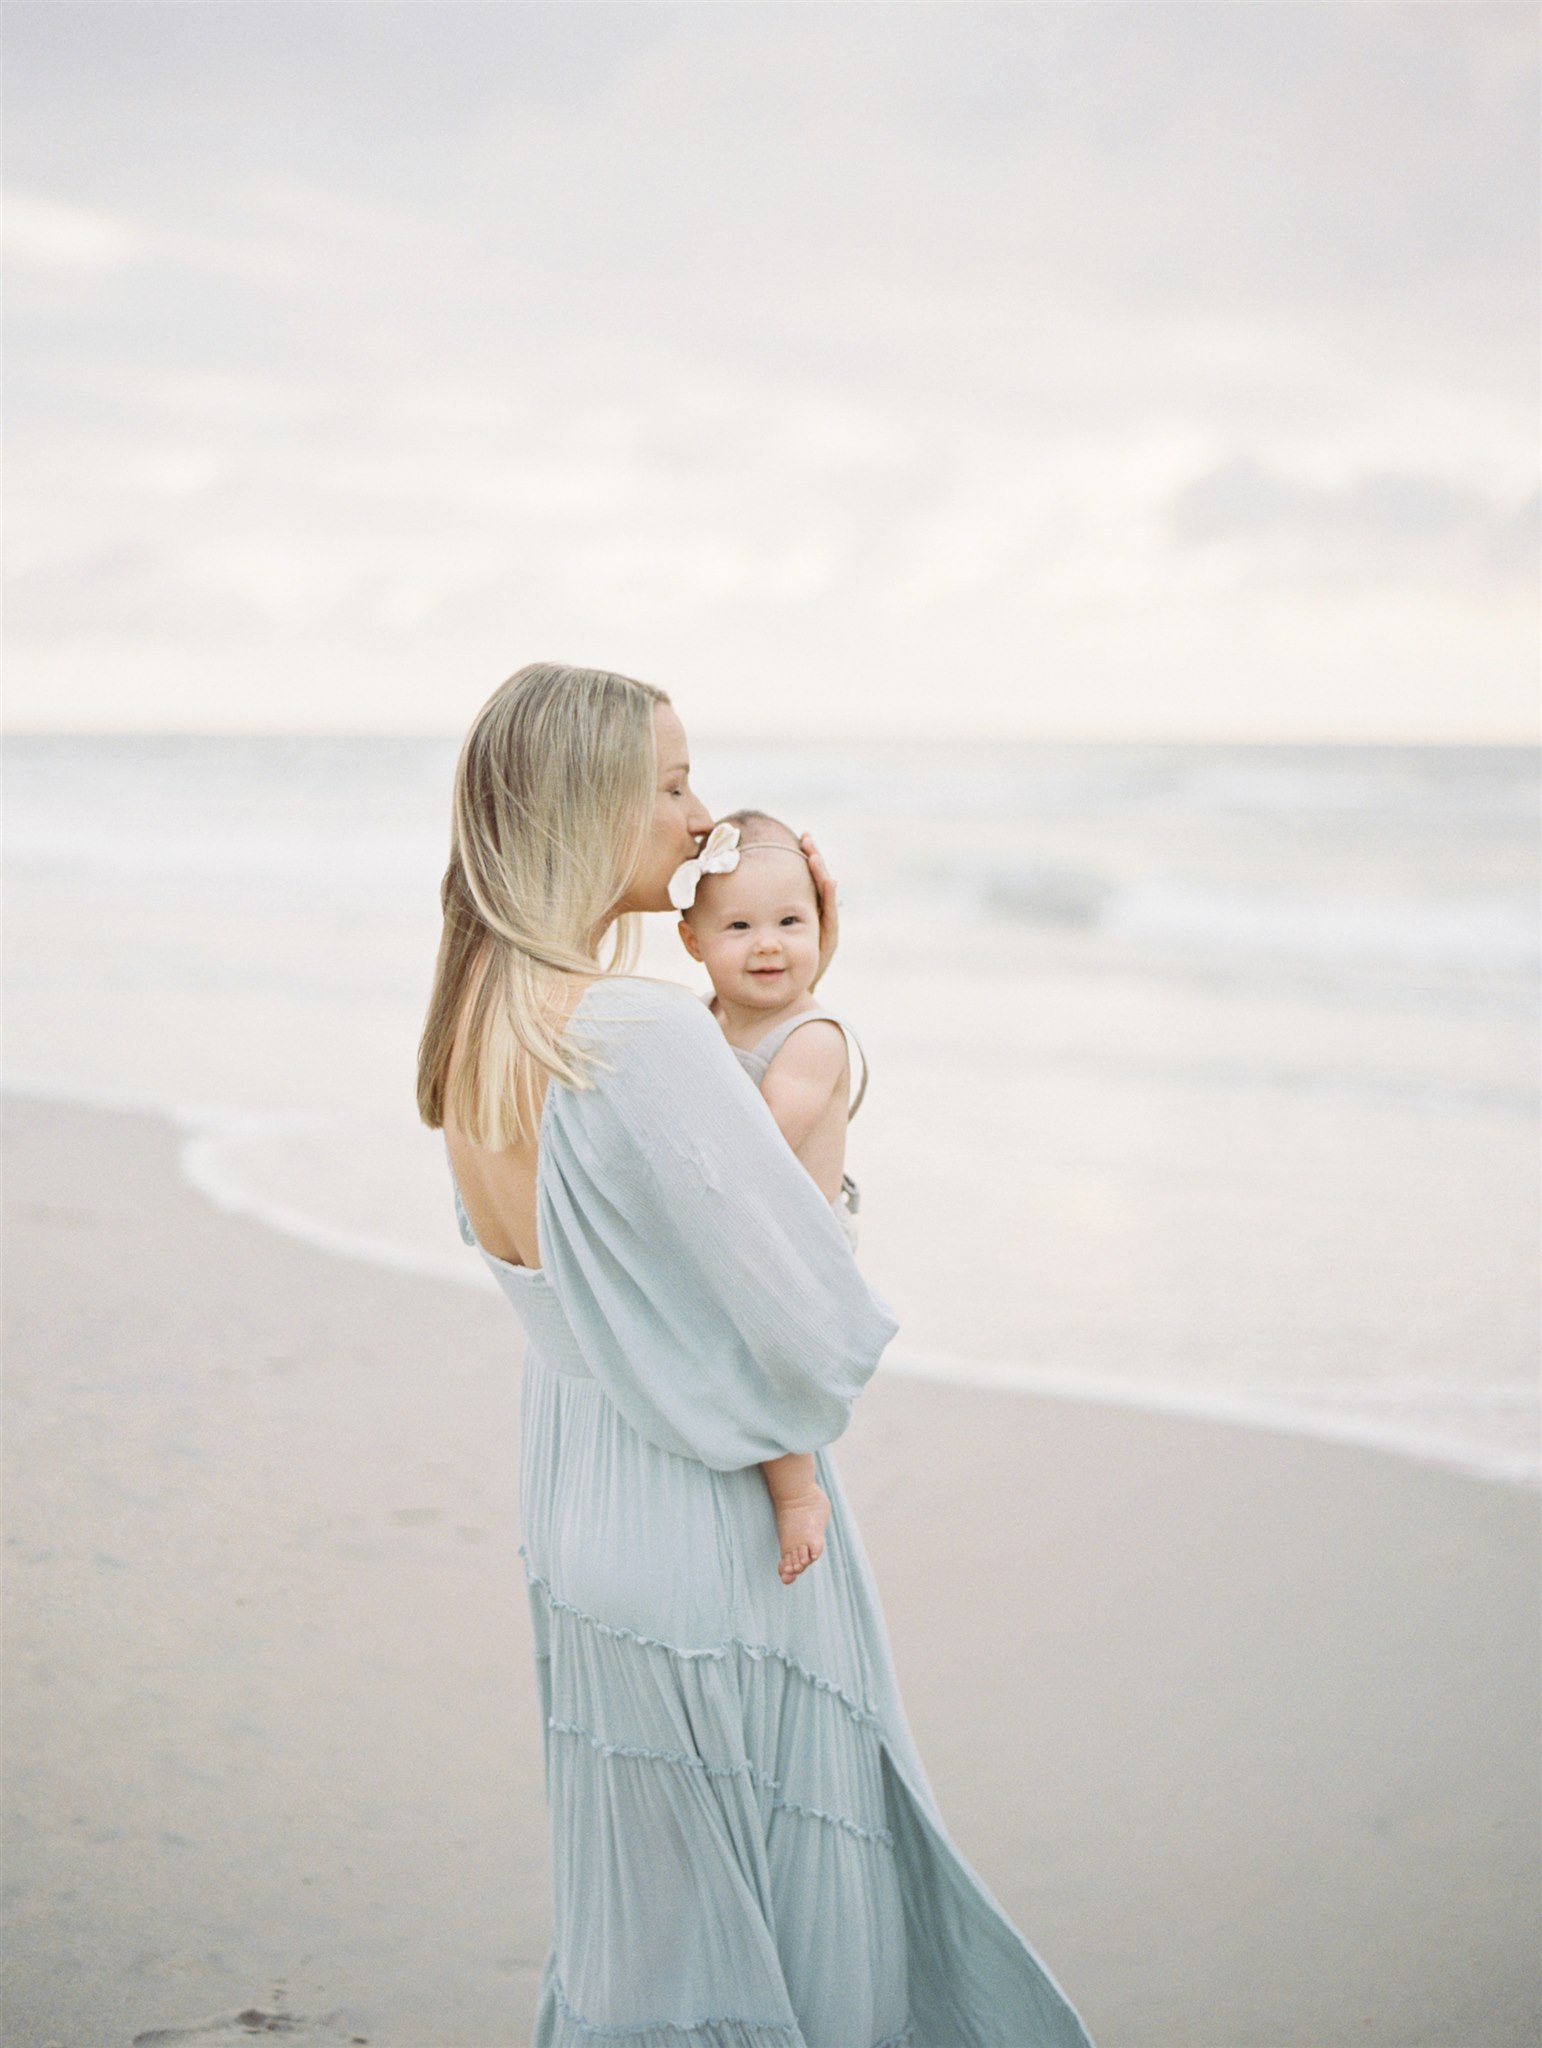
x: 1238, y: 1726
x: 205, y: 1129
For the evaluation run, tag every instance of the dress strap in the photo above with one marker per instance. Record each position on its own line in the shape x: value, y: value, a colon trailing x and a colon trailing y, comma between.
x: 468, y: 1235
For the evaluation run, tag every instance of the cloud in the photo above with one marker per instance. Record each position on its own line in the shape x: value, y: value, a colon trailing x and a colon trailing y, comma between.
x: 51, y: 234
x: 831, y: 343
x: 1376, y: 525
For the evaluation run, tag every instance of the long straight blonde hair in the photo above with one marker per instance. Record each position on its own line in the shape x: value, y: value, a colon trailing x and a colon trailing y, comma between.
x: 553, y: 806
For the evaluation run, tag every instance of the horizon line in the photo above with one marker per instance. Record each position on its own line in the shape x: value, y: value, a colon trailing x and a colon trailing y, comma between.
x: 856, y: 736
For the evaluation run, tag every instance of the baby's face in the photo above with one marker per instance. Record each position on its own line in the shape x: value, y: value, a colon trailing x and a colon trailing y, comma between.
x: 756, y: 929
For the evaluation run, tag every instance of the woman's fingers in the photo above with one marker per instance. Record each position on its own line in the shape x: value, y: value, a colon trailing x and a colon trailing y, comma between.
x: 829, y: 921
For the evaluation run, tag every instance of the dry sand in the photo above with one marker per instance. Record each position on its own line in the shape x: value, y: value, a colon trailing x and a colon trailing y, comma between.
x: 1242, y: 1729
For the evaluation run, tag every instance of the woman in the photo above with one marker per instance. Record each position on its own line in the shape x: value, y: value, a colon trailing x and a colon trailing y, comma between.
x: 745, y: 1850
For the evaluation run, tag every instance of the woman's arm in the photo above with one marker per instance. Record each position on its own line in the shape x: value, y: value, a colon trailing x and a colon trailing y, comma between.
x: 704, y: 1276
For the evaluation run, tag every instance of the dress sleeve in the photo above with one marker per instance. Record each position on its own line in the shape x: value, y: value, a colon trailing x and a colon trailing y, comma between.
x: 706, y: 1279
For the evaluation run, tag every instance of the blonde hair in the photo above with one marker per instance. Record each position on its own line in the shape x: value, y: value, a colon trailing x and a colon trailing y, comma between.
x: 552, y: 811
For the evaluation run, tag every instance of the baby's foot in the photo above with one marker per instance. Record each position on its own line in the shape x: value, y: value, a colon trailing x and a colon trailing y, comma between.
x: 800, y: 1529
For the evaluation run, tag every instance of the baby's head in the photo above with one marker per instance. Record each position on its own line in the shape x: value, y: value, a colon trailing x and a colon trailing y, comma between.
x: 756, y: 928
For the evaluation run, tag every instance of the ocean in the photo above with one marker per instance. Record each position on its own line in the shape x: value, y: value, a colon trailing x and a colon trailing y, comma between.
x: 1202, y: 1077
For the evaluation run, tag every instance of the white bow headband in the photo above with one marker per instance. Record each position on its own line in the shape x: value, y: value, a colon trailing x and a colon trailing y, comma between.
x: 718, y: 856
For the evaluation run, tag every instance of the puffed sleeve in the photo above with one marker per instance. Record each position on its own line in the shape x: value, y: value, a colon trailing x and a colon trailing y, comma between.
x: 705, y: 1278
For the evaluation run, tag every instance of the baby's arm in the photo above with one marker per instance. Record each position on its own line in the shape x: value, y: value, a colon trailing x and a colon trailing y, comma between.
x: 804, y: 1074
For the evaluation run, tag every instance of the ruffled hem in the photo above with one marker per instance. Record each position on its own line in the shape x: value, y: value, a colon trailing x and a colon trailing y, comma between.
x: 573, y: 2032
x: 855, y: 1707
x: 742, y: 1769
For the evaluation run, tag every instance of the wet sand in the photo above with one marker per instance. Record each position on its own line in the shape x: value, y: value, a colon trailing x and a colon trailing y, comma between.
x: 1242, y: 1729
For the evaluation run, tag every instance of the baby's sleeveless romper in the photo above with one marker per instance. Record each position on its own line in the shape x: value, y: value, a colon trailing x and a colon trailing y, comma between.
x: 758, y: 1057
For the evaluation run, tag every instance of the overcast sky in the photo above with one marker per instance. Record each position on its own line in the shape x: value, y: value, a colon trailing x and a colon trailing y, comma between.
x: 1165, y: 369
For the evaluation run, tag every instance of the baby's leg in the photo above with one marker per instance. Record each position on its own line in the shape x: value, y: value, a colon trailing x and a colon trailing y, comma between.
x: 802, y: 1510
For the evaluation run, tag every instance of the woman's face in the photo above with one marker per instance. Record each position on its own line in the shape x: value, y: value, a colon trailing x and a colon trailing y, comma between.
x: 680, y: 819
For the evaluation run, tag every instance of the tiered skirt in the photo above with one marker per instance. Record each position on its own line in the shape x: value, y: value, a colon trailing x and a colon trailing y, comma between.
x: 744, y: 1850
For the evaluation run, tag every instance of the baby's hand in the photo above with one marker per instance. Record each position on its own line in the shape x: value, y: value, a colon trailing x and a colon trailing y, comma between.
x: 800, y: 1530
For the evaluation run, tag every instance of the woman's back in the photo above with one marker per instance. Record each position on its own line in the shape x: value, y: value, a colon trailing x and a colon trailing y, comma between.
x: 499, y: 1188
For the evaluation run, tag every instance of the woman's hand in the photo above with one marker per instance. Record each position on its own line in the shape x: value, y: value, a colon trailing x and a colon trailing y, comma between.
x: 824, y: 882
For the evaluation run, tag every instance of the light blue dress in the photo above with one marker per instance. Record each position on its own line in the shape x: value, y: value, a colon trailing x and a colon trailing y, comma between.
x: 745, y: 1850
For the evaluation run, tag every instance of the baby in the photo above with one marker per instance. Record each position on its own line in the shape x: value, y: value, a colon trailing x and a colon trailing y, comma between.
x: 750, y: 914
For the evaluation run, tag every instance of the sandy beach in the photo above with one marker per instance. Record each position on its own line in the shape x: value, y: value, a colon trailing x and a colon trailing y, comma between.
x: 1241, y: 1728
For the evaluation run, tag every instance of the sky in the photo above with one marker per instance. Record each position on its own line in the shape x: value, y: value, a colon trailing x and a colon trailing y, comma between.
x: 1162, y: 370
